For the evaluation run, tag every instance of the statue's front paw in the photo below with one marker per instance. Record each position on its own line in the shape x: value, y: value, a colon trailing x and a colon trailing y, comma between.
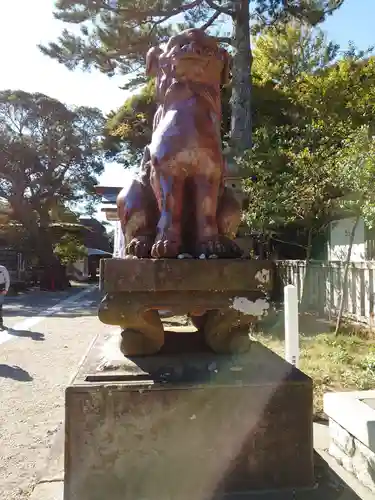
x: 210, y: 247
x: 140, y: 247
x: 218, y: 247
x: 165, y: 248
x: 167, y: 244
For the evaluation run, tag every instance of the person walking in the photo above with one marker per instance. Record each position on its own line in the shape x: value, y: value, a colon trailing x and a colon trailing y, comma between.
x: 4, y: 287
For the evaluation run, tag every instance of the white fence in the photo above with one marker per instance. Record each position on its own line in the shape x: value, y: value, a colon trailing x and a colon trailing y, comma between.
x: 321, y: 289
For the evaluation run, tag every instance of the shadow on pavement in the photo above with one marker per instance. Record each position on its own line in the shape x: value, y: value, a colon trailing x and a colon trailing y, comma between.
x: 33, y: 305
x: 37, y: 336
x: 71, y: 311
x: 15, y: 373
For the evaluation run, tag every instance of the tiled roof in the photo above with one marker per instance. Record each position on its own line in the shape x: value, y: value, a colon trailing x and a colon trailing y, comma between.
x: 108, y: 200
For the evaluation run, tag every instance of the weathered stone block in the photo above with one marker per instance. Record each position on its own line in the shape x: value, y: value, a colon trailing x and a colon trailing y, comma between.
x: 360, y: 461
x: 342, y: 458
x: 165, y: 275
x: 352, y: 431
x: 363, y: 463
x: 224, y: 298
x: 187, y: 426
x: 342, y: 438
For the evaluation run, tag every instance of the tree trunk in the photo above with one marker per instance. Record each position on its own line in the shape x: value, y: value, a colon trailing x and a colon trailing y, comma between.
x: 53, y: 276
x: 346, y: 272
x: 241, y: 79
x: 307, y: 269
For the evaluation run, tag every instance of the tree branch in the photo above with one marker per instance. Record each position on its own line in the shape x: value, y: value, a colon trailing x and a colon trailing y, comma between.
x: 167, y: 15
x: 210, y: 21
x: 151, y: 13
x: 332, y: 9
x: 224, y: 39
x: 219, y: 8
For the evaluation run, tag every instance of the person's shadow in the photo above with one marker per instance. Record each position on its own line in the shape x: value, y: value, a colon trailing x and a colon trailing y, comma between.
x: 37, y: 336
x: 15, y: 372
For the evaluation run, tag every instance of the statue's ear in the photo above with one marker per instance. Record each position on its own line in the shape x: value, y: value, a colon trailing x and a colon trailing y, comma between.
x: 152, y: 61
x: 227, y: 60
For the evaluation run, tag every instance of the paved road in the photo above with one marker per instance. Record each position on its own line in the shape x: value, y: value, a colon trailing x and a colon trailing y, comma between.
x: 30, y: 304
x: 38, y: 357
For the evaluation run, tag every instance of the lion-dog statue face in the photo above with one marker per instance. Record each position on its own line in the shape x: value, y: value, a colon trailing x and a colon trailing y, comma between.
x: 185, y: 159
x: 191, y: 56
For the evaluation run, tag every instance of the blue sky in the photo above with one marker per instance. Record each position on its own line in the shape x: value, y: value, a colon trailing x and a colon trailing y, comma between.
x: 25, y: 23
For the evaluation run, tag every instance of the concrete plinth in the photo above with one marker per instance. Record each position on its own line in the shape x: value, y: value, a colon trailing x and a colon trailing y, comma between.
x: 187, y: 427
x: 352, y: 433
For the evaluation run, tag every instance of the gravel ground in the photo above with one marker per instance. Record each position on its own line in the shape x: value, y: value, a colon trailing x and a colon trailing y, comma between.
x: 35, y: 368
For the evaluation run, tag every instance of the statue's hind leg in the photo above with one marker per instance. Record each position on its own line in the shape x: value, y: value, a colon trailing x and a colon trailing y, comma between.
x: 138, y: 213
x: 228, y: 221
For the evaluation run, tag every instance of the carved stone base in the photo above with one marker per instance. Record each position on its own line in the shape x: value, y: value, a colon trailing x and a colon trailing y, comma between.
x: 222, y: 297
x: 186, y: 426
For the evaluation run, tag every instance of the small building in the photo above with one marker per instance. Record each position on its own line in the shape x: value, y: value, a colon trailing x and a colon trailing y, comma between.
x: 363, y: 248
x: 87, y: 268
x: 94, y: 237
x: 108, y: 201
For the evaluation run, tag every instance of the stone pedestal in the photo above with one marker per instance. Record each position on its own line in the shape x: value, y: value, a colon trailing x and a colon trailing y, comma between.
x: 223, y: 297
x: 192, y: 426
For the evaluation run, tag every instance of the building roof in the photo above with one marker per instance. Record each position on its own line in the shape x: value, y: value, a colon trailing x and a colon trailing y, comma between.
x: 97, y: 251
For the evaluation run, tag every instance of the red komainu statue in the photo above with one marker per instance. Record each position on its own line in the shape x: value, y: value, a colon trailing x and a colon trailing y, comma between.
x: 178, y: 204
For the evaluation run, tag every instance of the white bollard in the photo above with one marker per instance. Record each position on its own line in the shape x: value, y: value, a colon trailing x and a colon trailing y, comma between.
x: 291, y: 325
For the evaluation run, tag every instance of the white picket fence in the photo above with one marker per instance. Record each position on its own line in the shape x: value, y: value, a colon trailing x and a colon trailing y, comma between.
x: 324, y: 283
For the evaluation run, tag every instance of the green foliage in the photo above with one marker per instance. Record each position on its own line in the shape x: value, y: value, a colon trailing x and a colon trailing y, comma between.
x: 335, y: 363
x: 312, y: 167
x: 114, y: 39
x: 341, y: 93
x: 50, y: 155
x: 270, y: 12
x: 356, y: 161
x: 69, y: 249
x: 129, y: 129
x: 16, y: 236
x: 48, y: 152
x: 292, y: 179
x: 284, y: 52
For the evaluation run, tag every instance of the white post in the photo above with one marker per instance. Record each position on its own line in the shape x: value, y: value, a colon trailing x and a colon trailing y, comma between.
x: 291, y: 325
x: 119, y: 242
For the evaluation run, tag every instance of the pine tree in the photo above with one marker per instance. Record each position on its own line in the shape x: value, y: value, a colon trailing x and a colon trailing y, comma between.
x: 114, y: 35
